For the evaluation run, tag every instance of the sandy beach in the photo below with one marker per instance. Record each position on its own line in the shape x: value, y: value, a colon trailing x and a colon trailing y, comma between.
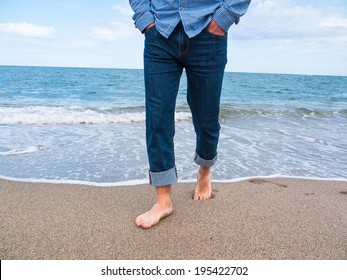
x: 252, y: 219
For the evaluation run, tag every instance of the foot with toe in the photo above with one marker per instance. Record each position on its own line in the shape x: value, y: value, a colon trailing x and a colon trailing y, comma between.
x: 153, y: 216
x: 160, y: 210
x: 203, y: 189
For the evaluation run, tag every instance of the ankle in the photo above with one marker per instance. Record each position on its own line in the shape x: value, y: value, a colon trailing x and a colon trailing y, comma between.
x: 164, y: 196
x: 164, y: 202
x: 204, y: 170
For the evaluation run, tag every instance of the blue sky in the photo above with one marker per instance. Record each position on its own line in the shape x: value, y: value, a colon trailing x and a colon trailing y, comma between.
x: 275, y: 36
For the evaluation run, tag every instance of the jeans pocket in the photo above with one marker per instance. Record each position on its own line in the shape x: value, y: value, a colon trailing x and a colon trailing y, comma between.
x: 215, y: 35
x: 149, y: 29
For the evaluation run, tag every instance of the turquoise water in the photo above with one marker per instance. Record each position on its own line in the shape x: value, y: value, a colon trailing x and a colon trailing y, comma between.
x: 88, y: 125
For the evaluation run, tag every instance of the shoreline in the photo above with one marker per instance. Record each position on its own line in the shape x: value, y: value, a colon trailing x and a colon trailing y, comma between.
x: 145, y: 181
x: 257, y: 218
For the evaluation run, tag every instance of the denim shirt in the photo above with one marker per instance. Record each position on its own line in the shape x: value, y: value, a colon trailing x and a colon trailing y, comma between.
x: 194, y: 14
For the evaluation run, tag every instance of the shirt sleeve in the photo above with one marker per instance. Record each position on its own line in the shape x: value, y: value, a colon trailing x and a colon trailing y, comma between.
x: 143, y: 15
x: 230, y: 12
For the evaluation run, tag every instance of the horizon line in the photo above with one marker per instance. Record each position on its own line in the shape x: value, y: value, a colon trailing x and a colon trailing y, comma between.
x: 125, y: 68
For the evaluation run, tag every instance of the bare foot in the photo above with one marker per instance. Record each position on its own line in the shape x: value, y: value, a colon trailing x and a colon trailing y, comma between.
x: 203, y: 189
x: 153, y: 216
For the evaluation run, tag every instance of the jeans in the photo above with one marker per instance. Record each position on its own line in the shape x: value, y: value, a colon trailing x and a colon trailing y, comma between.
x: 204, y: 58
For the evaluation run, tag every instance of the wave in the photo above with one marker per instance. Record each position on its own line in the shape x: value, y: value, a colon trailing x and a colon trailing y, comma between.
x: 233, y: 112
x: 28, y: 150
x: 78, y: 115
x: 74, y: 115
x: 343, y: 112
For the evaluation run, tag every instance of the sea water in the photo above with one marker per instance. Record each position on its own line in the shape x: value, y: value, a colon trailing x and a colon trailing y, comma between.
x: 86, y: 124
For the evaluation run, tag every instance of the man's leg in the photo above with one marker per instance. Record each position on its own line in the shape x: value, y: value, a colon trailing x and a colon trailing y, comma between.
x: 162, y: 76
x: 205, y: 63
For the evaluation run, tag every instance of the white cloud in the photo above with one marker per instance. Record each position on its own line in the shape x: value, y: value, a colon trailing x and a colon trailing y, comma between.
x: 334, y: 22
x: 125, y: 10
x: 27, y: 29
x: 113, y: 32
x: 279, y: 20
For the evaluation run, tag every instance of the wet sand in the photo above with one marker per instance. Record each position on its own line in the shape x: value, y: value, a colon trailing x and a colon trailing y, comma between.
x: 252, y: 219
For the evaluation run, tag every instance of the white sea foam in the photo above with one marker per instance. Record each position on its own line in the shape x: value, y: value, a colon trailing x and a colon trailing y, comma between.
x: 145, y: 181
x: 27, y: 150
x: 77, y: 182
x: 72, y: 115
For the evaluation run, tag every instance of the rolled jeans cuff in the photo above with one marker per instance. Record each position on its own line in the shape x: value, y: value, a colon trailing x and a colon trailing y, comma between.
x: 203, y: 162
x: 159, y: 179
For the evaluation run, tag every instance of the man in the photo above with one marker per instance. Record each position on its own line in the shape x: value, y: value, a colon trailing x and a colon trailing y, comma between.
x: 190, y: 34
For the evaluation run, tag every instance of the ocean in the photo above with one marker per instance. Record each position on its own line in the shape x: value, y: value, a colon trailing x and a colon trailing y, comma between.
x: 87, y: 124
